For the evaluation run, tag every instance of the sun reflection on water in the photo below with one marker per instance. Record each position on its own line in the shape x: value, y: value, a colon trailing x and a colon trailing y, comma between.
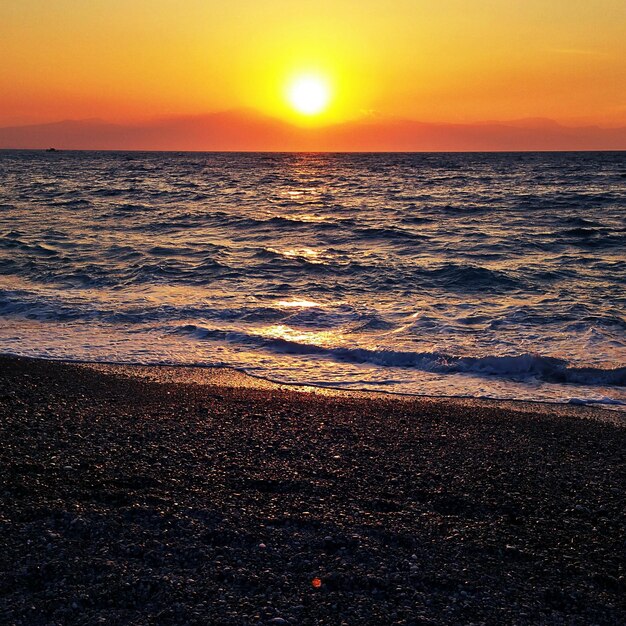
x: 326, y: 338
x: 308, y: 254
x: 310, y: 217
x: 299, y: 303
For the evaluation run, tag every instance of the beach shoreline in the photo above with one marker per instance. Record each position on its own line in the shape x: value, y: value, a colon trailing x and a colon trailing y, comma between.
x: 184, y: 495
x: 227, y: 376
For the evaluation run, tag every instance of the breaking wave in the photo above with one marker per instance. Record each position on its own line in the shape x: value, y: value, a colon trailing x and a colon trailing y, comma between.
x: 520, y: 367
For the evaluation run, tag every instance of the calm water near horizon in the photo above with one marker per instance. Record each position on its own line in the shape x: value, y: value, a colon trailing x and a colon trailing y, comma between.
x: 488, y: 275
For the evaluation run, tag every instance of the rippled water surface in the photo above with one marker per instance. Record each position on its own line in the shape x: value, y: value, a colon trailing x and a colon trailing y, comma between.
x: 497, y: 275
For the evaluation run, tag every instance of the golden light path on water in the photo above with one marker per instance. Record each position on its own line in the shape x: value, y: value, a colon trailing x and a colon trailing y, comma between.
x: 323, y: 339
x: 305, y: 304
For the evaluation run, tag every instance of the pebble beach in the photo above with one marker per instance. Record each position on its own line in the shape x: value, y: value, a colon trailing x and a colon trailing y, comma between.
x: 182, y: 496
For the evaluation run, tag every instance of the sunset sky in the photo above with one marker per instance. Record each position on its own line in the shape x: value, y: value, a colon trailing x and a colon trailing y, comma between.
x: 444, y: 61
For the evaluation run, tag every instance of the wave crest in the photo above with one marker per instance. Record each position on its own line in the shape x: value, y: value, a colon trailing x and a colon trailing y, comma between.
x: 522, y: 367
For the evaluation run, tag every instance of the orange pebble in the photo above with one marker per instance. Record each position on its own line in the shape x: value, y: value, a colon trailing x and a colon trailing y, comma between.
x: 316, y: 582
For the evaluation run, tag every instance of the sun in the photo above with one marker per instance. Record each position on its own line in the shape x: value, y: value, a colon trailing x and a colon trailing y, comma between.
x: 309, y: 95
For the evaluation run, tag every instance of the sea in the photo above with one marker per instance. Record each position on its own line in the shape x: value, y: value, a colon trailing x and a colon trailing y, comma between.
x: 495, y: 275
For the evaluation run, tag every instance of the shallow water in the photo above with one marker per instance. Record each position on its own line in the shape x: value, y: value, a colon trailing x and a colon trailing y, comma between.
x: 489, y: 275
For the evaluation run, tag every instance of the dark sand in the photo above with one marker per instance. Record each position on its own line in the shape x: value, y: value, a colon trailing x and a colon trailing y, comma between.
x: 129, y: 496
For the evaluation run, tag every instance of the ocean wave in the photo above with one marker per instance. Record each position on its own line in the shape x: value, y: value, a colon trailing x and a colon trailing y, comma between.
x: 519, y: 367
x: 580, y: 231
x: 470, y: 277
x: 36, y: 249
x: 582, y: 222
x: 390, y: 234
x: 276, y: 221
x: 415, y: 219
x: 72, y: 203
x: 129, y: 207
x: 110, y: 192
x: 21, y: 303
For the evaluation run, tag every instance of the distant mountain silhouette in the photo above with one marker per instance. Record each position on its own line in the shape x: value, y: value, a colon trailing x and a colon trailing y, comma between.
x: 242, y: 130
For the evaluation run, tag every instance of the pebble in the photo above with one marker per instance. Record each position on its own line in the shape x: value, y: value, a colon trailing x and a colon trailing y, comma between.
x: 160, y: 523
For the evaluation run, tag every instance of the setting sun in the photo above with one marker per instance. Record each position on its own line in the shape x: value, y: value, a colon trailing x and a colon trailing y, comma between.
x: 309, y: 95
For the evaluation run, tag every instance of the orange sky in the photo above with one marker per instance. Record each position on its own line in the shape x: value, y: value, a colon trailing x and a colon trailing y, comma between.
x: 435, y: 61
